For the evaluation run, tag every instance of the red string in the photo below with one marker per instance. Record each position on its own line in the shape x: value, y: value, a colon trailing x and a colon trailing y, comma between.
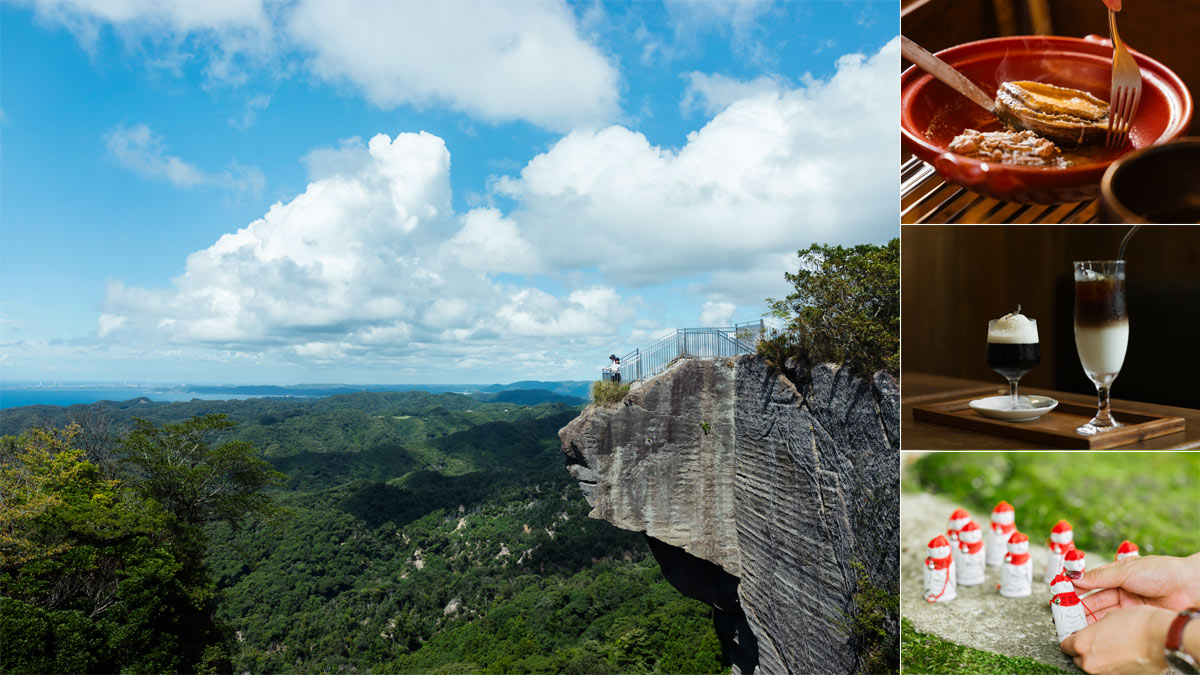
x: 1088, y: 610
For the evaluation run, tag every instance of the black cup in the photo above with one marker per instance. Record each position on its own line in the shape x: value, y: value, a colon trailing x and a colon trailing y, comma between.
x: 1159, y: 184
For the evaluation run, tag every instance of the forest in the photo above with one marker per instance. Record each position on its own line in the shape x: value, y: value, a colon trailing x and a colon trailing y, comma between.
x: 383, y: 531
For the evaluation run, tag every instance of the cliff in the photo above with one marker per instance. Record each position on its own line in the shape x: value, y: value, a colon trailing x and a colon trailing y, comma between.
x: 756, y: 491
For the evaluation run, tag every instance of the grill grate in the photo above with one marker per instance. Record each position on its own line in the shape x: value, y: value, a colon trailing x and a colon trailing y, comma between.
x: 926, y: 199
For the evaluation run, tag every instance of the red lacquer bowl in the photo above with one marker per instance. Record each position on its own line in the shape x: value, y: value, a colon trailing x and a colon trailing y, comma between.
x: 932, y: 114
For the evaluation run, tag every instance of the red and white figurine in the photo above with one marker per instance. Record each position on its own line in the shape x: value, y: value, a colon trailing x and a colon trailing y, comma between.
x: 939, y: 571
x: 1073, y: 564
x: 1062, y: 539
x: 971, y: 557
x: 1016, y: 578
x: 958, y: 519
x: 1066, y: 607
x: 1003, y: 525
x: 1127, y: 549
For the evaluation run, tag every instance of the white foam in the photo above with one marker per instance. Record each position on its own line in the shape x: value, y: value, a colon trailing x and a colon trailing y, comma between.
x: 1015, y: 328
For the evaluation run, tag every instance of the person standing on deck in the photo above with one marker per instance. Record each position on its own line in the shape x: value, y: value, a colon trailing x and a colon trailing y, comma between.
x: 615, y: 368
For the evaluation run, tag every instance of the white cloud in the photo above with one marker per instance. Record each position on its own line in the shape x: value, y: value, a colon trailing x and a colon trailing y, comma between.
x: 348, y: 158
x: 696, y: 15
x: 489, y: 242
x: 771, y: 173
x: 717, y: 313
x: 250, y: 112
x: 368, y: 265
x: 713, y: 93
x: 590, y: 311
x: 740, y: 22
x: 144, y: 152
x: 213, y: 15
x: 109, y: 323
x: 230, y: 34
x: 495, y: 61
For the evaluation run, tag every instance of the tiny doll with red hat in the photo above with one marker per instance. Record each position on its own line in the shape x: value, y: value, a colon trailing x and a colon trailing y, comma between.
x: 1127, y: 549
x: 972, y: 559
x: 939, y: 571
x: 1016, y: 577
x: 1003, y: 525
x: 1066, y: 607
x: 1062, y: 539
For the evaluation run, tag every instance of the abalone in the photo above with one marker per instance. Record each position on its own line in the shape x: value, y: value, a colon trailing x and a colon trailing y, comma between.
x: 1060, y: 114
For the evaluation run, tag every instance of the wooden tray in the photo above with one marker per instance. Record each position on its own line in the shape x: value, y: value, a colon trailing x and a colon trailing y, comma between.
x: 1057, y: 427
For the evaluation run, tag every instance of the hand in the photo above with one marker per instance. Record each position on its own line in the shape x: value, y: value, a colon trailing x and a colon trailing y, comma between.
x: 1128, y: 640
x: 1114, y: 5
x: 1159, y: 581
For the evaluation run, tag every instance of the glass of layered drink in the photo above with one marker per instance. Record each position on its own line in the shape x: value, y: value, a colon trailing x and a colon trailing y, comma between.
x: 1101, y: 331
x: 1013, y: 350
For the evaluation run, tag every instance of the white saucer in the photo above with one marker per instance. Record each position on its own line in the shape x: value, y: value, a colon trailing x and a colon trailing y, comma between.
x: 996, y: 407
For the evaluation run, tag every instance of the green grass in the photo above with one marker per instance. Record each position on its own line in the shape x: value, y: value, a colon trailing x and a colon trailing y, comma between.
x: 608, y: 393
x: 924, y: 653
x: 1149, y: 498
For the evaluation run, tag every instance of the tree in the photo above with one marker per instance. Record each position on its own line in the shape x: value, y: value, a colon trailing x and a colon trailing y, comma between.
x: 845, y: 308
x: 86, y: 581
x: 31, y: 465
x: 195, y: 481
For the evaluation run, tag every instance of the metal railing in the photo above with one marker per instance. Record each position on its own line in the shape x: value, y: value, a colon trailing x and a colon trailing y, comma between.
x: 685, y: 343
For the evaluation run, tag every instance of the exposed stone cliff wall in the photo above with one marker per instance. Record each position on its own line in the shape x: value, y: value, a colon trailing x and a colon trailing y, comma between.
x: 726, y: 463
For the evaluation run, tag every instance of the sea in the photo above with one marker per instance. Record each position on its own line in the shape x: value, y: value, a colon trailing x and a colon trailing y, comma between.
x: 15, y: 398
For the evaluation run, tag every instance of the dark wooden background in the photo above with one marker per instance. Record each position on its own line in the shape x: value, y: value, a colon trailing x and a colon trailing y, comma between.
x: 955, y: 278
x: 1165, y: 30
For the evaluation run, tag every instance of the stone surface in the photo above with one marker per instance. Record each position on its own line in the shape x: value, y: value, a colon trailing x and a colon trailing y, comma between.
x: 979, y: 617
x: 781, y: 485
x: 650, y: 465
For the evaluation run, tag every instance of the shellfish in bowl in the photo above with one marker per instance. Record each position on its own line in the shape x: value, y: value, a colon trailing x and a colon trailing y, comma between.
x: 1060, y: 114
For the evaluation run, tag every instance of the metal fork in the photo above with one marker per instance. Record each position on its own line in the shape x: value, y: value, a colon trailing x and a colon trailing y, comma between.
x: 1126, y: 89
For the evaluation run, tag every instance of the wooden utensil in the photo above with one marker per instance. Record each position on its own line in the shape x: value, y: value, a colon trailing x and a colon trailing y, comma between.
x: 944, y: 72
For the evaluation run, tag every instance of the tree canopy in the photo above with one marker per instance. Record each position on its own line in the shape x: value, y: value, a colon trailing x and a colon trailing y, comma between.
x: 845, y: 307
x: 100, y: 571
x: 415, y: 533
x: 195, y: 481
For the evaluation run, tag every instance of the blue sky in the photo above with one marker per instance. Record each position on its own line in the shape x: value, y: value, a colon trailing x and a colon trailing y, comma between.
x: 420, y: 192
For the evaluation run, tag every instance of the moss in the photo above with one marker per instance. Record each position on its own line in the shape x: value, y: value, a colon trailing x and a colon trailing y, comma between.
x: 608, y: 393
x: 874, y: 624
x: 924, y: 653
x: 1149, y: 498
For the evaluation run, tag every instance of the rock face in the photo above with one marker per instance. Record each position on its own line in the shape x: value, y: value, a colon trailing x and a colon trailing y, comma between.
x: 745, y: 478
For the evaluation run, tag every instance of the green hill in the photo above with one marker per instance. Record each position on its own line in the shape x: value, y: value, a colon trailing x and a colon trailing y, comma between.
x: 425, y: 532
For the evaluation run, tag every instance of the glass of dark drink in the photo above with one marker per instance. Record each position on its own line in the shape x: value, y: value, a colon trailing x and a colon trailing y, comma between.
x: 1013, y: 350
x: 1101, y: 332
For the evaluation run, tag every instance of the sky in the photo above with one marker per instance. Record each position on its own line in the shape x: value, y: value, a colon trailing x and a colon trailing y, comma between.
x: 421, y: 192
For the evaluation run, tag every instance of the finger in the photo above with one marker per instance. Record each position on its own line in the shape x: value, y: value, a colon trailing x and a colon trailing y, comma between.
x: 1112, y: 575
x: 1068, y: 646
x: 1104, y: 599
x: 1101, y: 613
